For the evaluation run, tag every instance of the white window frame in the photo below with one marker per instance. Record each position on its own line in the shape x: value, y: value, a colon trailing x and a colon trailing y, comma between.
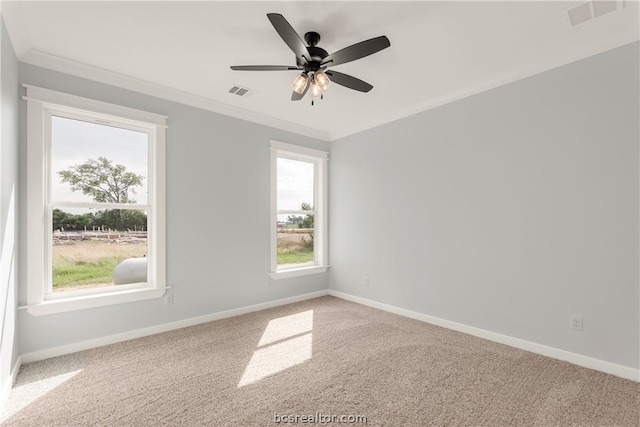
x: 319, y: 159
x: 42, y: 104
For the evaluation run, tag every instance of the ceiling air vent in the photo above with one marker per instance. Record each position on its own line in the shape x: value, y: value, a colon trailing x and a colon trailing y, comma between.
x: 592, y: 9
x: 602, y: 7
x: 241, y: 91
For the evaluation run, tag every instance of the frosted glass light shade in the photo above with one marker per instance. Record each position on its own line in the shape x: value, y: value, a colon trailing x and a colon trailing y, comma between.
x: 315, y: 89
x: 299, y: 83
x: 321, y: 80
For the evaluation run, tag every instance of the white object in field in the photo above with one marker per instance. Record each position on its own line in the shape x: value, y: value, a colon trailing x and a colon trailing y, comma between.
x: 131, y: 270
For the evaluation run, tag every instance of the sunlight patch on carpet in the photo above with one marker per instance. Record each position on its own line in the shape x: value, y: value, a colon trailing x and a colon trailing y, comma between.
x: 40, y: 378
x: 287, y: 327
x: 286, y: 342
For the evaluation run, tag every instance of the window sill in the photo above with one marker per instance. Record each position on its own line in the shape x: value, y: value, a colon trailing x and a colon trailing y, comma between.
x: 91, y: 301
x: 296, y: 272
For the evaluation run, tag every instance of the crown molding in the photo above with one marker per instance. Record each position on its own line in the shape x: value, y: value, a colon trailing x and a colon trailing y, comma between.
x: 89, y: 72
x: 78, y: 69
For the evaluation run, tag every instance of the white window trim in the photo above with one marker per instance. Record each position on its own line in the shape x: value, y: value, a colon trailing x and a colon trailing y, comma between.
x: 40, y: 102
x: 320, y: 158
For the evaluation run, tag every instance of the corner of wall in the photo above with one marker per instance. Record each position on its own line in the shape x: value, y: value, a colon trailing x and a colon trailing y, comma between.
x: 9, y: 358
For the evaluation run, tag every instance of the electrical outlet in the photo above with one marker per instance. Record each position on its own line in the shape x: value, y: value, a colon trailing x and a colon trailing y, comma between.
x: 576, y: 322
x: 168, y: 299
x: 366, y: 281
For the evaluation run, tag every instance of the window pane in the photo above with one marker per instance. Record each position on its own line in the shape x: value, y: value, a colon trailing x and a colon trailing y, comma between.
x: 97, y: 163
x: 97, y: 248
x: 295, y: 240
x: 295, y: 184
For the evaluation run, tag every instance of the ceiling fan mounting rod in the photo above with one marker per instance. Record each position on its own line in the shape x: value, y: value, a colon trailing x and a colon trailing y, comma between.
x: 312, y: 38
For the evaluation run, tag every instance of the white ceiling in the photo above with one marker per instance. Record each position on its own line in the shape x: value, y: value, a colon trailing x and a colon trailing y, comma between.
x: 440, y: 51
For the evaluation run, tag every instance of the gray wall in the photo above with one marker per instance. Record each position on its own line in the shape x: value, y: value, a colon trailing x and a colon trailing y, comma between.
x: 218, y: 202
x: 508, y: 210
x: 8, y: 203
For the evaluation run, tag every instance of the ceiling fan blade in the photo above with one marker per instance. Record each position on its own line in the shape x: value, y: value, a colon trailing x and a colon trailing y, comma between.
x: 295, y: 96
x: 348, y: 81
x: 289, y: 35
x: 357, y: 51
x: 263, y: 67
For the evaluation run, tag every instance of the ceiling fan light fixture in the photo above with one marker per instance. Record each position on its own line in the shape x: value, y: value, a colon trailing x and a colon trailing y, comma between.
x: 299, y: 83
x: 321, y: 79
x: 315, y: 89
x: 312, y: 60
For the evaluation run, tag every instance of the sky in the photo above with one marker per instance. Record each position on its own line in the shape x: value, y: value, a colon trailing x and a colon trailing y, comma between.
x: 295, y: 183
x: 74, y: 142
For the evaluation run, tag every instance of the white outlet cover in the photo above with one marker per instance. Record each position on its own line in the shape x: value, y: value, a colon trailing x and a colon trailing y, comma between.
x: 576, y: 322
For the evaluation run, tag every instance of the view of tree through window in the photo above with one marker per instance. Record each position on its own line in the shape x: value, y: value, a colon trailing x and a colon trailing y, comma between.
x: 97, y: 201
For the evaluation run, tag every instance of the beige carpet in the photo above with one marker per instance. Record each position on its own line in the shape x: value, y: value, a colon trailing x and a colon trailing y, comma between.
x: 325, y: 356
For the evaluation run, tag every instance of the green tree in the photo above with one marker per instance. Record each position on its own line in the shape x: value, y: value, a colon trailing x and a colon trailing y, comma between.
x: 68, y: 221
x: 105, y: 182
x: 121, y: 219
x: 307, y: 221
x: 294, y: 219
x: 60, y: 219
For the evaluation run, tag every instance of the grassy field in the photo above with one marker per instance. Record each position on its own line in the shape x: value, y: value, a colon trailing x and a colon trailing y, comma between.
x: 295, y: 247
x: 294, y: 257
x: 81, y: 263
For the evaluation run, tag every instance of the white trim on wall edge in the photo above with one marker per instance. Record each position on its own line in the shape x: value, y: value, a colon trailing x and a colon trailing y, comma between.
x: 555, y: 353
x: 165, y: 327
x: 5, y: 389
x: 101, y: 75
x: 112, y: 78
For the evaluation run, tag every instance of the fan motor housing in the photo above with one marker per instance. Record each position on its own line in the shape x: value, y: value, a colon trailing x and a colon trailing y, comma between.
x: 317, y: 53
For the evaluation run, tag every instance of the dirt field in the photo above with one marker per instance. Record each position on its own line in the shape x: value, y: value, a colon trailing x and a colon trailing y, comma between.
x: 83, y: 251
x: 289, y: 238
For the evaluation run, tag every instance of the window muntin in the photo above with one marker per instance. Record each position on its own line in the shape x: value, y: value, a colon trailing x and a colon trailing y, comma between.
x: 299, y: 210
x: 66, y: 131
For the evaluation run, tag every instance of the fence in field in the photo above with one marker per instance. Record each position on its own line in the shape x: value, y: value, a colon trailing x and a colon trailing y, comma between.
x: 295, y: 230
x: 108, y: 235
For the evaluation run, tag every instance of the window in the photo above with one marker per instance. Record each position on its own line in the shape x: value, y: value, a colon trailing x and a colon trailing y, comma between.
x: 298, y: 210
x: 95, y: 222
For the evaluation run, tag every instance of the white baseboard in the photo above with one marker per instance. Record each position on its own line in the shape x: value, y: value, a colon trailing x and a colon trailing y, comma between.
x: 8, y: 384
x: 567, y: 356
x: 139, y: 333
x: 577, y: 359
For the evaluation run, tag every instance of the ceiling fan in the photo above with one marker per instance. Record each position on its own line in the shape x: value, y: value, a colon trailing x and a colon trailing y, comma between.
x: 314, y: 61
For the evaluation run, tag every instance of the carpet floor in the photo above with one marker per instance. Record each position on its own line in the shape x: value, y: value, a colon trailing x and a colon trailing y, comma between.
x: 324, y: 359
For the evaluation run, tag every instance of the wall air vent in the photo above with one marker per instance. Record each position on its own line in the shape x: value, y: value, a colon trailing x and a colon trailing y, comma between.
x: 592, y: 9
x: 241, y: 91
